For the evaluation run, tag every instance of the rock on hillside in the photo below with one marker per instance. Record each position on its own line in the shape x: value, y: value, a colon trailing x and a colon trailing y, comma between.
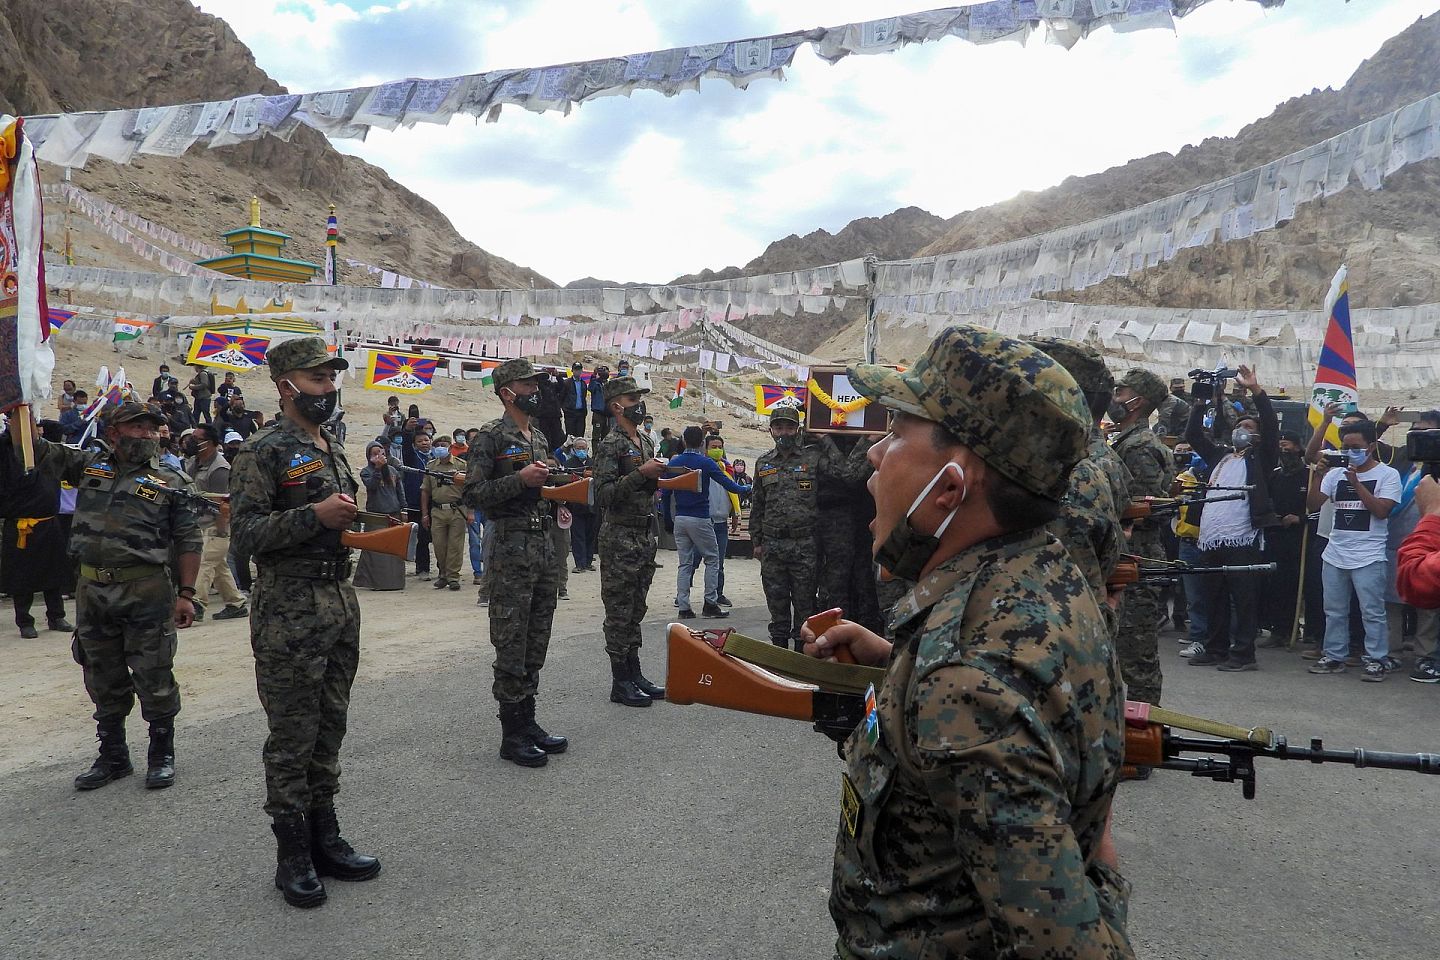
x: 66, y: 55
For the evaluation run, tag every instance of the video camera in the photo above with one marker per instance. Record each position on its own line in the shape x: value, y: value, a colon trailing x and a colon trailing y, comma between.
x: 1423, y: 447
x: 1204, y: 383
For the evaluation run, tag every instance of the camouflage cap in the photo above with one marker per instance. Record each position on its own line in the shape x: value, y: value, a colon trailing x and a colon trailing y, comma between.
x: 620, y: 386
x: 302, y: 353
x: 131, y: 411
x: 1013, y: 405
x: 783, y: 412
x: 512, y: 370
x: 1149, y: 386
x: 1081, y: 361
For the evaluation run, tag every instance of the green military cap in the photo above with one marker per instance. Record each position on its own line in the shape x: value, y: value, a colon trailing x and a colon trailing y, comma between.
x: 512, y: 370
x: 131, y: 411
x: 1013, y: 405
x: 1149, y: 386
x: 785, y: 411
x: 620, y: 386
x: 302, y: 353
x: 1081, y: 361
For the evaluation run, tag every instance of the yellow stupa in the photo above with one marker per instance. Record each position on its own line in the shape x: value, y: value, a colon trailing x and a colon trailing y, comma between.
x: 255, y: 254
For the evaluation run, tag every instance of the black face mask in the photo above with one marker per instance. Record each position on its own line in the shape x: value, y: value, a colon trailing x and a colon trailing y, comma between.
x: 190, y: 449
x: 635, y: 414
x: 1291, y: 462
x: 136, y: 450
x: 316, y: 408
x: 906, y: 551
x: 790, y: 442
x: 1117, y: 411
x: 528, y: 404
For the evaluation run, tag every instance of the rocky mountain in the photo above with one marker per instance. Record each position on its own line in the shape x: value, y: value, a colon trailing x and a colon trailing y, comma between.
x: 66, y: 55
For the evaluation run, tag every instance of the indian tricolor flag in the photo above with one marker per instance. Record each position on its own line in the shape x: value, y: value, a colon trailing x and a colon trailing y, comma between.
x: 679, y: 396
x: 130, y: 329
x: 1335, y: 373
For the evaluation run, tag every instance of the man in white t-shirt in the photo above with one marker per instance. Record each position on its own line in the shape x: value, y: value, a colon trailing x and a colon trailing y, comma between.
x: 1363, y: 492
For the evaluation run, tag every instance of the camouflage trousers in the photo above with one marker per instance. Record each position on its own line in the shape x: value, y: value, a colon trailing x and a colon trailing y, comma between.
x: 835, y: 555
x: 787, y: 572
x: 1137, y: 638
x: 125, y: 643
x: 523, y: 594
x: 627, y: 568
x: 306, y: 638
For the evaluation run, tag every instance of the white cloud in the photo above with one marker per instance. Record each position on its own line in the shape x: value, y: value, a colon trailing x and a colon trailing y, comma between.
x: 649, y: 188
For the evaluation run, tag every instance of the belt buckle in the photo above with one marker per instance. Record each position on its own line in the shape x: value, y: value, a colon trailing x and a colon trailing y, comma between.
x: 105, y: 575
x: 327, y: 568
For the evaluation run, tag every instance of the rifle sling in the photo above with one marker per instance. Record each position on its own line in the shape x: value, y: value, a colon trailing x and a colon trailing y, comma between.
x: 1260, y: 736
x: 828, y: 675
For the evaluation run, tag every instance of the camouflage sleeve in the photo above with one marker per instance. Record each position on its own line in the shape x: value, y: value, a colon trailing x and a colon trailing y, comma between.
x: 992, y: 774
x: 757, y: 508
x: 185, y: 529
x: 607, y: 473
x: 256, y: 527
x: 1147, y: 474
x: 482, y: 488
x: 59, y: 461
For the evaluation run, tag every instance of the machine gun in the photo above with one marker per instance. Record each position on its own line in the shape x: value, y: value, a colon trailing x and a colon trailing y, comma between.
x: 395, y: 537
x: 1133, y: 569
x: 722, y: 668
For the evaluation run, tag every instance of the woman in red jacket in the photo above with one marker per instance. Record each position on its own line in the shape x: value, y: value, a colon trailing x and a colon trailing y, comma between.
x: 1418, y: 574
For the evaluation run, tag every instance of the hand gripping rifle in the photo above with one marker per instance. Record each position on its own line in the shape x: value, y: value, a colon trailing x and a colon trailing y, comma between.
x: 395, y: 537
x: 725, y: 669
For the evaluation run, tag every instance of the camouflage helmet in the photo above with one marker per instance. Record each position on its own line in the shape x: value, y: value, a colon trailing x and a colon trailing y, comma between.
x: 1081, y: 361
x: 512, y: 370
x: 1013, y: 405
x: 1146, y: 385
x: 301, y: 353
x: 131, y: 411
x: 621, y: 386
x: 783, y: 413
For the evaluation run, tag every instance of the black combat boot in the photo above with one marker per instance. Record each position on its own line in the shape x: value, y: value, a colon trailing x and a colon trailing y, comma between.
x: 160, y: 767
x: 515, y: 743
x: 623, y: 689
x: 114, y: 760
x: 646, y: 687
x: 295, y: 871
x: 332, y: 856
x: 537, y: 734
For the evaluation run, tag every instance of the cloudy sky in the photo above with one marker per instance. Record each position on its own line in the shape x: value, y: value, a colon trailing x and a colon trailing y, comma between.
x: 649, y: 187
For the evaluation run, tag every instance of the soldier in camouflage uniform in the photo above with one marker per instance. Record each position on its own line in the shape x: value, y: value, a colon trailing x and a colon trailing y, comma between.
x: 626, y: 473
x: 292, y: 494
x: 1089, y: 522
x: 507, y: 467
x: 976, y: 798
x: 1152, y: 471
x: 783, y: 515
x: 126, y: 611
x: 837, y: 503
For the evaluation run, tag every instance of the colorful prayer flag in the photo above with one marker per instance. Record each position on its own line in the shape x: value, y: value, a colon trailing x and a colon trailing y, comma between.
x: 231, y: 351
x: 679, y: 396
x: 1335, y: 373
x: 399, y: 372
x: 58, y: 318
x: 768, y: 394
x: 26, y: 359
x: 332, y: 239
x: 130, y: 329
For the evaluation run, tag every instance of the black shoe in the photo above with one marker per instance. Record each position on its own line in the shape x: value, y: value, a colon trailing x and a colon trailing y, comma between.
x: 515, y: 745
x: 160, y: 765
x: 233, y: 613
x: 1237, y: 666
x: 331, y: 855
x: 454, y: 584
x: 622, y: 687
x: 646, y: 687
x: 295, y: 875
x: 724, y: 601
x: 440, y: 583
x: 29, y: 633
x: 713, y: 611
x: 114, y: 760
x: 1205, y: 660
x: 686, y: 614
x: 545, y: 741
x: 62, y: 625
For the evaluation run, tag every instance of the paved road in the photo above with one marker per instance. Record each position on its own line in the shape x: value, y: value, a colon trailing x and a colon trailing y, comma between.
x: 689, y: 832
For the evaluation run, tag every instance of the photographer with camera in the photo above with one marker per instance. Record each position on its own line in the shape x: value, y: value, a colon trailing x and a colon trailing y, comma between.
x: 1364, y: 492
x: 1231, y: 531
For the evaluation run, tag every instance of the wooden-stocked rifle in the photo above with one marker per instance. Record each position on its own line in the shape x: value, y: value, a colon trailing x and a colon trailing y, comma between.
x: 1133, y: 569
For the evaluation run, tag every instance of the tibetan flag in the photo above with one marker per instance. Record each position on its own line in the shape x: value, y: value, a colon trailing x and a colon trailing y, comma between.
x: 1335, y: 373
x: 399, y: 372
x: 126, y: 330
x: 230, y: 351
x: 58, y: 318
x: 679, y: 396
x: 768, y: 394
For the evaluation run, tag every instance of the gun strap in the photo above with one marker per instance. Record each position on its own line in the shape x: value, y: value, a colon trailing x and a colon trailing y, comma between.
x: 825, y: 674
x: 1259, y: 736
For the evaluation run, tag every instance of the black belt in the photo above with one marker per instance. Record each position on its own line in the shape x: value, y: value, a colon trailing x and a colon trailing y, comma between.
x: 310, y: 568
x: 639, y: 523
x: 787, y: 533
x: 522, y: 524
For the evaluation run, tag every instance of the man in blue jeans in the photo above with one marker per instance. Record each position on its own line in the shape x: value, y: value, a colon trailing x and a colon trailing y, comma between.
x: 694, y: 533
x: 1364, y: 491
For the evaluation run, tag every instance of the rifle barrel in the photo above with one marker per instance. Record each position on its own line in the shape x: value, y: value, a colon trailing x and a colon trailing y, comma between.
x: 1428, y: 763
